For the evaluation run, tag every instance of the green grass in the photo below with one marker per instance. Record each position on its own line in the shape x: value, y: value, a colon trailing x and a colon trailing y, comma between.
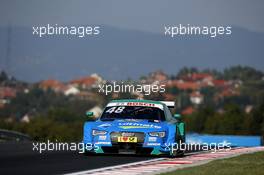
x: 247, y: 164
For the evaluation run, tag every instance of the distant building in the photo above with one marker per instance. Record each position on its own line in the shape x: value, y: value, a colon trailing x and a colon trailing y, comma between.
x: 228, y: 93
x: 3, y: 102
x: 87, y: 82
x: 198, y: 77
x: 157, y: 76
x: 54, y: 85
x: 25, y: 119
x: 26, y: 90
x: 6, y: 94
x: 248, y: 109
x: 196, y: 98
x: 183, y: 85
x: 71, y: 90
x: 98, y: 78
x: 220, y: 83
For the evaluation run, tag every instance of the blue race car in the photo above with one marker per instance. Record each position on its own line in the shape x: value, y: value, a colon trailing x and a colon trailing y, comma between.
x: 135, y: 127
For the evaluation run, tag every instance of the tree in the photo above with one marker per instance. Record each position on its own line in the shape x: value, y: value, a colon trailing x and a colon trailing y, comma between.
x: 258, y: 117
x: 185, y: 71
x: 231, y: 120
x: 245, y: 73
x: 3, y: 77
x: 209, y: 94
x: 198, y: 120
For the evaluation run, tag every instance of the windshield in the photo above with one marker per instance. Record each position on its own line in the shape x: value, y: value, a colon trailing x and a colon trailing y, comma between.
x: 133, y: 112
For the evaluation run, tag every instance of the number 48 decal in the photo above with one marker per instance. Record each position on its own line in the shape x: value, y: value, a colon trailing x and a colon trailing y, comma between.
x: 115, y: 109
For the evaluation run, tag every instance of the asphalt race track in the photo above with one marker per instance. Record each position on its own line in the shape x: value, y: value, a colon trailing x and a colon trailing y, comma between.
x: 18, y: 158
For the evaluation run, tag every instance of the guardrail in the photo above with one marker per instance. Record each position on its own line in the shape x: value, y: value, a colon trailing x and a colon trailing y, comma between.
x: 7, y: 135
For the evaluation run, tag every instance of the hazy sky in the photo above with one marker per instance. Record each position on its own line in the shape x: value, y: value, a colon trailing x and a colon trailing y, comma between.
x: 148, y: 15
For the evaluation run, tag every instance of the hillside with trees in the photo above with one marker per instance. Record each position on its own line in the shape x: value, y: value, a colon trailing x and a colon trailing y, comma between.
x: 212, y: 102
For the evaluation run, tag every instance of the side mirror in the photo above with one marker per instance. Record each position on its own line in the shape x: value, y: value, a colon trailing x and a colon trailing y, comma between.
x: 89, y: 114
x: 177, y: 116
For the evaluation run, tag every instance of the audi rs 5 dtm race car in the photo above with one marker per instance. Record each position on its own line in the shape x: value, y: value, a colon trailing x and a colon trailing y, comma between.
x: 135, y: 127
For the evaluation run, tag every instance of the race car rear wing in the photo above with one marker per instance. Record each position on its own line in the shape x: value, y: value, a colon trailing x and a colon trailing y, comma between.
x: 169, y: 104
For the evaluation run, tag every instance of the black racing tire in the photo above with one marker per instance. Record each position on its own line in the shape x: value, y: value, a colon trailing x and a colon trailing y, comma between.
x: 88, y: 153
x: 178, y: 153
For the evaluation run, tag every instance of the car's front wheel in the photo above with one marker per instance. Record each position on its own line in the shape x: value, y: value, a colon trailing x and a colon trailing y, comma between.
x: 177, y: 151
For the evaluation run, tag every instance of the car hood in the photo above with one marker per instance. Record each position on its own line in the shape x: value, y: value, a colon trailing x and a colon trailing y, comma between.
x: 130, y: 125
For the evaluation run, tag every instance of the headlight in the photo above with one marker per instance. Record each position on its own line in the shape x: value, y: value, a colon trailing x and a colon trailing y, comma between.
x: 157, y: 134
x: 98, y: 132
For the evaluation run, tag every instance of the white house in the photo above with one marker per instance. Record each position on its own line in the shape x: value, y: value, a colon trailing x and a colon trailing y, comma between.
x: 71, y: 91
x: 196, y: 98
x: 25, y: 119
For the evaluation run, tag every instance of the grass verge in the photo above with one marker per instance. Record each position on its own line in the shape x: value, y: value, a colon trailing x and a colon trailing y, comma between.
x: 247, y: 164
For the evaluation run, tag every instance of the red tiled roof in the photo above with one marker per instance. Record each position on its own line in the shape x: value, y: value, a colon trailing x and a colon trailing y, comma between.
x: 53, y: 84
x: 197, y: 76
x: 88, y: 81
x: 219, y: 82
x: 226, y: 93
x: 184, y: 85
x: 7, y: 92
x: 188, y: 85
